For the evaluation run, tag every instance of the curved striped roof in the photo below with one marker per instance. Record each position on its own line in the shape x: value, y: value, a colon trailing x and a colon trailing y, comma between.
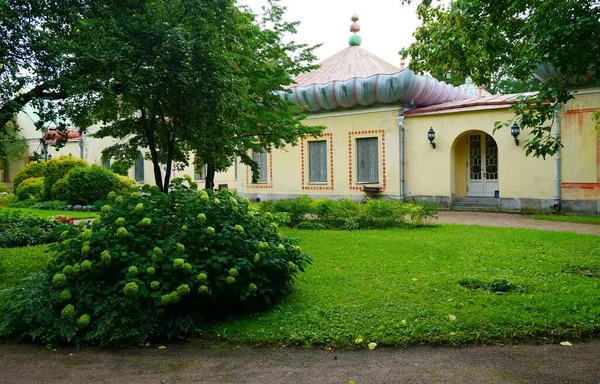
x: 355, y: 77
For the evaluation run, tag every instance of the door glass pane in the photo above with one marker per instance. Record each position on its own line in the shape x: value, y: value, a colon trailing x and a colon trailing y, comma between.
x: 367, y: 160
x: 491, y: 158
x: 317, y: 161
x: 475, y: 157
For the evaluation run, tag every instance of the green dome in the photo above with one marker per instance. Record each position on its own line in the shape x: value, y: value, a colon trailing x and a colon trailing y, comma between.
x: 355, y: 40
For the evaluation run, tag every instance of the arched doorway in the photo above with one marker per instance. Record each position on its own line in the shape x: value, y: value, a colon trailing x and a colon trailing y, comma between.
x: 482, y: 165
x: 476, y: 165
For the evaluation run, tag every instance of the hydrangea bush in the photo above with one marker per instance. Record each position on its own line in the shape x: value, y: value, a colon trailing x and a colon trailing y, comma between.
x: 157, y: 265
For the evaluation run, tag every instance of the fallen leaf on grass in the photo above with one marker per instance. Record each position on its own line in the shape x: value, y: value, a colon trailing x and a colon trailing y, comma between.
x: 566, y: 344
x: 452, y: 317
x: 372, y: 346
x: 162, y: 347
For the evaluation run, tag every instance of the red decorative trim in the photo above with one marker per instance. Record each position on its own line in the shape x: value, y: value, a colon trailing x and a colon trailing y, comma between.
x: 269, y: 184
x: 335, y: 95
x: 583, y: 110
x: 315, y: 95
x: 581, y: 185
x: 375, y: 88
x: 297, y: 96
x: 309, y: 187
x: 365, y: 134
x: 355, y: 98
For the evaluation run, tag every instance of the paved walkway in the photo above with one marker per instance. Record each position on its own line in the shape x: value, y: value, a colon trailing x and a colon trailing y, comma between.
x: 494, y: 219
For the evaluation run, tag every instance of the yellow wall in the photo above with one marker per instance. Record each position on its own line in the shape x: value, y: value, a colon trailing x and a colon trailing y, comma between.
x: 289, y: 165
x: 443, y: 171
x: 580, y: 162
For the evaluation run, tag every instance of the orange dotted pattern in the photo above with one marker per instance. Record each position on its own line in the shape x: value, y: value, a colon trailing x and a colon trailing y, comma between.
x: 380, y: 133
x: 303, y: 158
x: 269, y: 184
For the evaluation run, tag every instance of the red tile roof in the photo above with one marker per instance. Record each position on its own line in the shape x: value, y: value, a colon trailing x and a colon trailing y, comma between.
x: 471, y: 104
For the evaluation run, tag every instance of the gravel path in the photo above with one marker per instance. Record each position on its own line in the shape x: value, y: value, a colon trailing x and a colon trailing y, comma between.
x: 493, y: 219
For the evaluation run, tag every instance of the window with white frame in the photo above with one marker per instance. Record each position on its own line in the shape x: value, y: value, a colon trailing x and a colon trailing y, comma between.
x: 200, y: 172
x: 317, y: 161
x: 106, y: 163
x: 367, y: 152
x: 261, y: 159
x: 139, y: 169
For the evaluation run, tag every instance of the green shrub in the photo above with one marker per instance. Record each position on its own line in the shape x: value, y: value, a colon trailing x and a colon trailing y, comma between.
x: 156, y: 265
x: 55, y: 170
x: 59, y: 189
x: 120, y: 167
x: 87, y: 185
x: 125, y: 185
x: 33, y: 169
x: 3, y: 188
x: 19, y: 230
x: 31, y: 187
x: 348, y: 214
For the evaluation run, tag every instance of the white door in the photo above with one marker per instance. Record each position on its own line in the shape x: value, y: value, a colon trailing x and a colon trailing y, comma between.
x: 483, y: 165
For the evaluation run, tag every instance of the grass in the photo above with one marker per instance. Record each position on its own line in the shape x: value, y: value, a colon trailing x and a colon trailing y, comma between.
x: 51, y: 213
x: 401, y: 287
x: 16, y: 263
x: 568, y: 218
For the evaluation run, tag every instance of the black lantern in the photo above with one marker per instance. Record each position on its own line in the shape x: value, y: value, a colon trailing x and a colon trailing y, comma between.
x: 515, y: 131
x: 431, y: 137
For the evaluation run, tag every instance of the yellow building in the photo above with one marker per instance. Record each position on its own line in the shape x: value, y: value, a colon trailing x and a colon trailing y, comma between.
x: 396, y: 135
x: 393, y: 134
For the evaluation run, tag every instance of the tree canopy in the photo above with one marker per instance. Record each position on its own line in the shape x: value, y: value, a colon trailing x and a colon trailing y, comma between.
x: 480, y: 39
x: 176, y: 77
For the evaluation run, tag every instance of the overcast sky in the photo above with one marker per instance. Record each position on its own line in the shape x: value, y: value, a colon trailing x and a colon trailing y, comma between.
x: 386, y: 25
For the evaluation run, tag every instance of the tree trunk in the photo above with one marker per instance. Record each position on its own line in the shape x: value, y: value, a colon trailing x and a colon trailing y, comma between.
x: 210, y: 177
x: 152, y: 148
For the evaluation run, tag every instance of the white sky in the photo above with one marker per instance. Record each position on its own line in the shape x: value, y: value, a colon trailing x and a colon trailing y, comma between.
x: 386, y: 26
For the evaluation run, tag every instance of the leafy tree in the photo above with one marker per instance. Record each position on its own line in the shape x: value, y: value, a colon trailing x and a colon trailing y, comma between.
x: 186, y: 76
x: 12, y: 146
x: 478, y: 38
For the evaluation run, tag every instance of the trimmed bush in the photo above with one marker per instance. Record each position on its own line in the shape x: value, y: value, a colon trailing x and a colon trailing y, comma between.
x: 155, y: 265
x: 87, y: 185
x: 305, y: 213
x: 31, y: 187
x: 33, y: 169
x: 125, y: 185
x: 55, y: 170
x: 59, y: 189
x: 3, y: 188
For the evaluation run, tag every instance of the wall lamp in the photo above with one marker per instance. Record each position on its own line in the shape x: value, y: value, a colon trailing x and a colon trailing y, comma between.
x: 431, y: 137
x: 515, y: 131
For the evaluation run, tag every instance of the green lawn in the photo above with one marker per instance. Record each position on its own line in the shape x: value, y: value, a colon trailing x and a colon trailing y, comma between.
x: 400, y: 287
x: 16, y: 263
x: 569, y: 218
x: 51, y: 213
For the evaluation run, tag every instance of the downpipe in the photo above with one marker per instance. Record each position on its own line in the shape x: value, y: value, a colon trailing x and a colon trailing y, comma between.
x: 557, y: 166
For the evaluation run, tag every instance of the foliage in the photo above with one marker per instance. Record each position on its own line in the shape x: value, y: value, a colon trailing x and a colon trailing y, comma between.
x: 17, y: 229
x: 174, y: 81
x: 306, y: 213
x: 120, y: 167
x: 87, y: 185
x: 12, y: 146
x: 155, y: 265
x: 3, y: 188
x: 57, y: 169
x: 33, y: 169
x: 30, y: 188
x: 481, y: 39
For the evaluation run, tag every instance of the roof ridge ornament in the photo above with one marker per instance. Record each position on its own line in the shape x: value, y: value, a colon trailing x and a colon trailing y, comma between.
x: 355, y: 39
